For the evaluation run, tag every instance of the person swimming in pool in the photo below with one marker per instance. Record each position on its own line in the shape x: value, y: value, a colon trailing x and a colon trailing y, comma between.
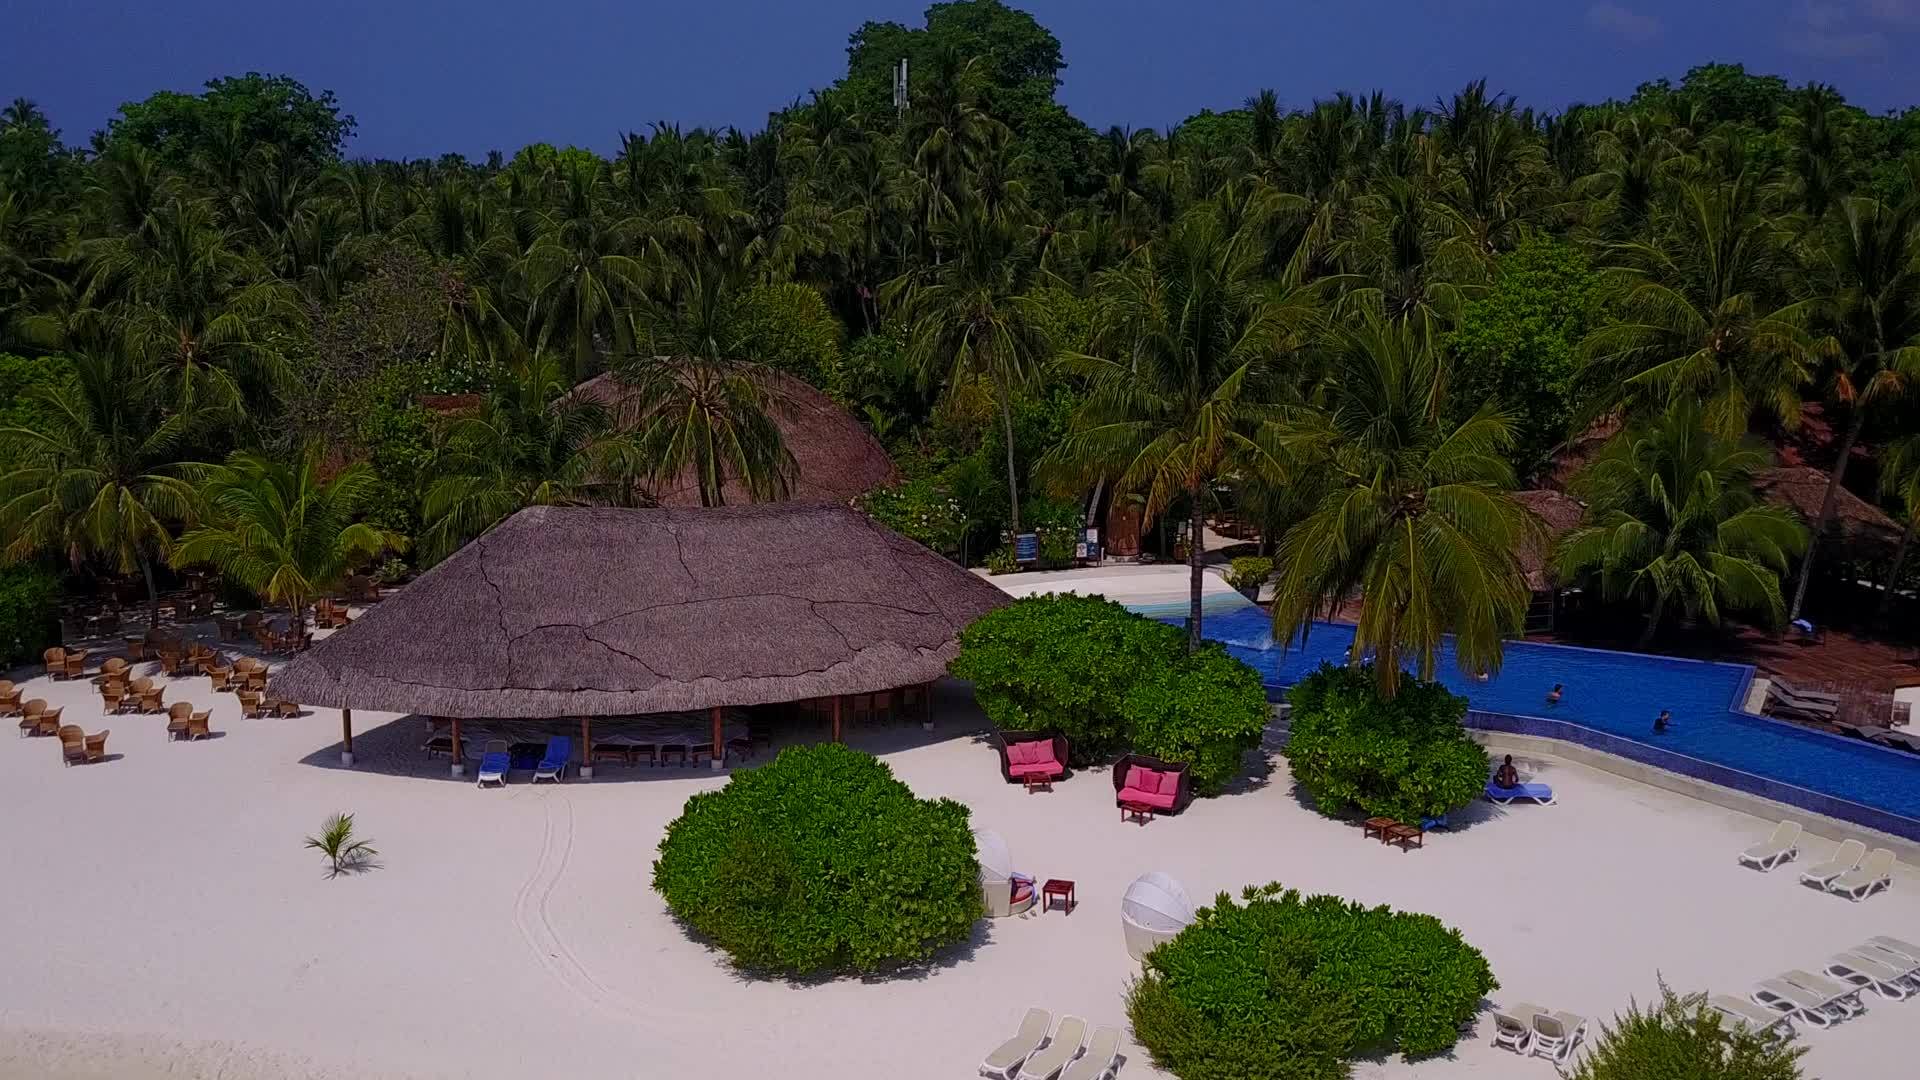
x: 1553, y: 695
x: 1662, y: 722
x: 1507, y: 776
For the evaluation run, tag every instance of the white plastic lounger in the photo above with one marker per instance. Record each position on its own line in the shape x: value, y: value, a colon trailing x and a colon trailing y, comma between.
x: 1006, y: 1058
x: 1866, y: 973
x: 1513, y: 1028
x: 1842, y: 997
x: 1783, y: 845
x: 1894, y: 944
x: 1844, y: 859
x: 1874, y: 874
x: 1065, y: 1046
x: 1103, y: 1052
x: 1747, y: 1014
x: 1789, y: 1000
x: 1556, y: 1034
x: 1907, y: 966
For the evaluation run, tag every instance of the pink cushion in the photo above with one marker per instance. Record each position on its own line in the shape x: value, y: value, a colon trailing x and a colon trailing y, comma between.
x: 1141, y: 778
x: 1162, y: 800
x: 1016, y: 754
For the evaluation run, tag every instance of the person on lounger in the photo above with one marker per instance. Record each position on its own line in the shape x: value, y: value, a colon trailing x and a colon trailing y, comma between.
x: 1507, y: 776
x: 1662, y: 722
x: 1553, y: 695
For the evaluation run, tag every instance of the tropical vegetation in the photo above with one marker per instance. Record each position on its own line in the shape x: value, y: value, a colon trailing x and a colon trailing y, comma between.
x: 1358, y: 324
x: 1681, y: 1035
x: 1280, y: 986
x: 1407, y: 757
x: 821, y: 862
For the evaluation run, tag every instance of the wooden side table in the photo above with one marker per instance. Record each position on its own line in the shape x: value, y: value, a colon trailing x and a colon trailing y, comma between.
x: 1405, y: 835
x: 1035, y: 782
x: 1377, y: 826
x: 1136, y: 811
x: 1061, y: 888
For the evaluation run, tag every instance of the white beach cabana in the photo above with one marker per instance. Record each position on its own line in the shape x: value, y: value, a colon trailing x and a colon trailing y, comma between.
x: 998, y: 884
x: 1154, y: 909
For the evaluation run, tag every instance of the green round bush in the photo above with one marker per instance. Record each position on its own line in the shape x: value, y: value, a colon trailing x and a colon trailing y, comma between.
x: 1206, y: 709
x: 1405, y: 757
x: 820, y: 861
x: 1285, y: 987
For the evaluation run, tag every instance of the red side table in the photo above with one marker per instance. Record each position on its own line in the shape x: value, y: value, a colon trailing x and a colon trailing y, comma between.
x: 1061, y: 888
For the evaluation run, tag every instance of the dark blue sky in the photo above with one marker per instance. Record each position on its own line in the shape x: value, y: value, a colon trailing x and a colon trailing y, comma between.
x: 428, y: 76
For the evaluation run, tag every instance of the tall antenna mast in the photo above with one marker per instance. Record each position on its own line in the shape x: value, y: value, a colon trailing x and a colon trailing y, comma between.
x: 900, y: 87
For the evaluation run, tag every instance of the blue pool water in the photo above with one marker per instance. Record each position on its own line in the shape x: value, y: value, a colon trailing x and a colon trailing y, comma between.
x: 1619, y: 694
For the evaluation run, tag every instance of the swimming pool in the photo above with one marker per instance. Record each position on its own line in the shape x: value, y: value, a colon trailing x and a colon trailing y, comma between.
x: 1609, y: 702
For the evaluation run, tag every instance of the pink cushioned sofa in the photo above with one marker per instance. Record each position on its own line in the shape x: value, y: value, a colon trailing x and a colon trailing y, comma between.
x: 1149, y: 781
x: 1032, y: 753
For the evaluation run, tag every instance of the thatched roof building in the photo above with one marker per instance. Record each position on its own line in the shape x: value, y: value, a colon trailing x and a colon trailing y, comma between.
x: 577, y: 612
x: 1861, y: 527
x: 837, y: 459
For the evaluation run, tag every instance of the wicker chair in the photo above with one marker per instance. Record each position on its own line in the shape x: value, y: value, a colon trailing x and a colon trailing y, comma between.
x: 113, y: 697
x: 177, y: 716
x: 9, y: 698
x: 97, y: 746
x: 73, y: 745
x: 149, y: 699
x: 76, y: 663
x: 197, y: 725
x: 251, y: 704
x: 39, y: 719
x: 283, y: 707
x: 56, y: 661
x: 218, y: 674
x: 115, y: 669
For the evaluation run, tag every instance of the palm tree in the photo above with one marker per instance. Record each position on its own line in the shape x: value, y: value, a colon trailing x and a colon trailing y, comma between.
x: 100, y: 477
x: 1413, y: 511
x: 1673, y: 523
x: 1900, y: 477
x: 1694, y: 317
x: 282, y: 530
x: 968, y: 316
x: 1876, y: 319
x: 529, y: 445
x: 1188, y: 338
x: 582, y: 270
x: 701, y: 409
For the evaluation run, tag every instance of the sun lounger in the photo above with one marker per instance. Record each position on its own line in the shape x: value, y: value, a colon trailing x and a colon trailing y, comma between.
x: 1863, y: 972
x: 1513, y: 1028
x: 553, y: 765
x: 1008, y: 1056
x: 1846, y: 858
x: 1845, y: 998
x: 1539, y: 793
x: 1103, y: 1052
x: 1861, y: 882
x: 1783, y: 845
x: 495, y: 763
x: 1788, y: 1000
x: 1907, y: 966
x: 1895, y: 945
x: 1556, y: 1034
x: 1064, y: 1047
x: 1747, y: 1014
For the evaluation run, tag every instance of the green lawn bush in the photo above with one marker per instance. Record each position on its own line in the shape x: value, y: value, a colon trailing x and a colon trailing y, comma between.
x: 1286, y: 987
x: 1683, y: 1036
x: 821, y: 862
x: 1249, y: 572
x: 1113, y: 681
x: 1404, y: 757
x: 29, y: 614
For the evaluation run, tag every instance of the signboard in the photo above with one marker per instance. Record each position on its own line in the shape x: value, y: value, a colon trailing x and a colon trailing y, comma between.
x: 1088, y: 549
x: 1026, y: 548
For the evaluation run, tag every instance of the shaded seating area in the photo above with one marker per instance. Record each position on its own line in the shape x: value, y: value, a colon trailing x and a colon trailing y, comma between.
x: 1005, y: 890
x: 594, y: 619
x: 1142, y: 781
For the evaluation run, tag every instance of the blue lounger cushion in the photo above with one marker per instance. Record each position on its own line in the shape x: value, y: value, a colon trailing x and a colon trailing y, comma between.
x: 1540, y: 793
x: 559, y: 749
x: 496, y: 762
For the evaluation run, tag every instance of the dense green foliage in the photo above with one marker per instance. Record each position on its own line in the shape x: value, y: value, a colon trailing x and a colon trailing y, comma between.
x: 1682, y: 1036
x: 1285, y: 987
x: 1406, y: 757
x: 29, y: 614
x: 821, y: 862
x: 1356, y: 322
x: 1250, y: 572
x: 1112, y: 681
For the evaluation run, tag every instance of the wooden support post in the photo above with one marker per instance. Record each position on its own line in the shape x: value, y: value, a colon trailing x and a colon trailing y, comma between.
x: 926, y: 706
x: 719, y: 757
x: 836, y: 717
x: 459, y: 766
x: 586, y: 750
x: 346, y: 736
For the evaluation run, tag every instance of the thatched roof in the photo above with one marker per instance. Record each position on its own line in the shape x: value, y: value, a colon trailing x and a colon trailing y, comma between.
x: 588, y: 611
x: 1557, y: 513
x: 1857, y: 523
x: 838, y: 459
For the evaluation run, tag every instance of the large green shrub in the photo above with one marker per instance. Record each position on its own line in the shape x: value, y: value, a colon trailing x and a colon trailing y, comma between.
x: 821, y: 861
x: 1206, y: 709
x: 1111, y: 680
x: 1684, y: 1037
x: 1285, y: 987
x: 921, y: 509
x: 1404, y: 757
x: 29, y: 614
x: 786, y: 326
x: 1249, y: 572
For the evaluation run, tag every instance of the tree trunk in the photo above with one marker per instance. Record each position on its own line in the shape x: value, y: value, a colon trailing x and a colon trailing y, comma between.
x: 1899, y: 564
x: 1196, y: 549
x: 153, y: 595
x: 1013, y: 482
x: 1838, y: 474
x: 1646, y: 633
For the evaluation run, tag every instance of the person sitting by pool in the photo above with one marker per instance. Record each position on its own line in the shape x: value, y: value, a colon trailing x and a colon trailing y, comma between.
x: 1553, y: 695
x: 1507, y: 776
x: 1662, y: 722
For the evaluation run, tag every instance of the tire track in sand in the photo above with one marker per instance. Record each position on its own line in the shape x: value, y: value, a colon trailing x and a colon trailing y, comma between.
x: 535, y: 925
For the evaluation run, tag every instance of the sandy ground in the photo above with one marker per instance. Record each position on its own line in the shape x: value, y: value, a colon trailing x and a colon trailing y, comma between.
x: 164, y: 920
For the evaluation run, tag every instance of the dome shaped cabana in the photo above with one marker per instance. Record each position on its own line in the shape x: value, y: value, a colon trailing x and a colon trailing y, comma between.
x: 1005, y: 890
x: 1154, y: 909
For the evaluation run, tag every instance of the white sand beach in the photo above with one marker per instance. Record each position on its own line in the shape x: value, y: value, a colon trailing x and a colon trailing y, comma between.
x: 164, y: 919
